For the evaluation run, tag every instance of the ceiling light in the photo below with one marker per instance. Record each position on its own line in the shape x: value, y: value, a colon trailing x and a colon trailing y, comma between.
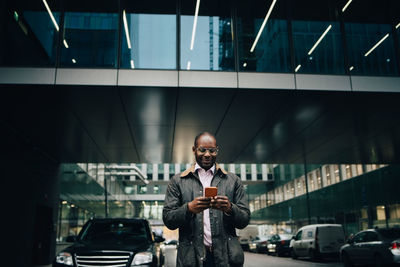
x: 128, y: 40
x: 319, y: 40
x: 132, y: 64
x: 73, y: 60
x: 65, y: 43
x: 398, y: 25
x: 262, y: 26
x: 196, y: 14
x: 245, y: 64
x: 351, y: 68
x: 377, y: 44
x: 297, y: 68
x: 188, y: 65
x: 51, y: 15
x: 346, y: 5
x: 64, y: 202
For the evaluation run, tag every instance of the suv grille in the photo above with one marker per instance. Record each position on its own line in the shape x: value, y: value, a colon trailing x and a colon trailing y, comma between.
x: 103, y: 259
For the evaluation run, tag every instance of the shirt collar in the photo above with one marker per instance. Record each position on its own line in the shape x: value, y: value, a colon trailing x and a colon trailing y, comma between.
x: 197, y: 166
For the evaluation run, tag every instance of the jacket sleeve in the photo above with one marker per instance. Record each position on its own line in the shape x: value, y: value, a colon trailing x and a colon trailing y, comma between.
x: 175, y: 213
x: 240, y: 208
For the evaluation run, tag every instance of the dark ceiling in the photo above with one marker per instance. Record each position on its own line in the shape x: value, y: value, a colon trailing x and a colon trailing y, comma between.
x: 158, y: 125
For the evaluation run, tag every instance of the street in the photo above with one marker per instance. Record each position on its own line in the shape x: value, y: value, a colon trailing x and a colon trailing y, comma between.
x: 261, y: 260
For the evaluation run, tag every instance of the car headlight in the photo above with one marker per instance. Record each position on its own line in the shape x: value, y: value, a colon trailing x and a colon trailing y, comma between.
x: 142, y: 258
x: 64, y: 258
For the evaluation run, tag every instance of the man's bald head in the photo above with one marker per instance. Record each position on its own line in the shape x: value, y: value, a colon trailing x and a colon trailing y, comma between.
x: 196, y: 139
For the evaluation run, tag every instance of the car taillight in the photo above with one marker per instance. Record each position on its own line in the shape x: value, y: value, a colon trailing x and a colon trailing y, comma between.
x: 264, y: 242
x: 282, y: 242
x: 395, y: 245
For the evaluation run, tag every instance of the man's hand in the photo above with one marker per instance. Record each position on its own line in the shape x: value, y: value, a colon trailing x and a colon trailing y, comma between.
x: 199, y: 204
x: 221, y: 203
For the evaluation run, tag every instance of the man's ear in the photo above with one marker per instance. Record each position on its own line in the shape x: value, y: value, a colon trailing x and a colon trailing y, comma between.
x: 193, y: 149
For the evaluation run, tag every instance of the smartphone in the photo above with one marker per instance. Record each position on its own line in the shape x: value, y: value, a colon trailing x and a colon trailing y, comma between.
x: 210, y: 191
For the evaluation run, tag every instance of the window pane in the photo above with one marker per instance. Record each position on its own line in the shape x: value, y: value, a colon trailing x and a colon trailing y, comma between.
x: 318, y: 47
x: 371, y: 49
x: 207, y: 39
x: 149, y: 37
x: 270, y: 52
x: 91, y: 35
x: 30, y: 33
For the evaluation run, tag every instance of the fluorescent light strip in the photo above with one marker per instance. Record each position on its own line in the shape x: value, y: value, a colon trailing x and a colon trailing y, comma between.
x: 398, y: 25
x: 377, y: 44
x: 196, y: 14
x: 262, y: 26
x: 132, y: 64
x: 128, y: 40
x: 346, y: 5
x: 65, y: 43
x: 319, y: 40
x: 297, y: 68
x: 51, y: 15
x: 188, y: 65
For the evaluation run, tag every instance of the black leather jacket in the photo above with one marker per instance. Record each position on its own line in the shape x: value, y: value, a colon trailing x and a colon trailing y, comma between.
x: 182, y: 189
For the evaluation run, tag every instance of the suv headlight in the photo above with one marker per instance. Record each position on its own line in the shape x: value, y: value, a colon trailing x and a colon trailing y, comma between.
x: 142, y: 258
x: 64, y: 258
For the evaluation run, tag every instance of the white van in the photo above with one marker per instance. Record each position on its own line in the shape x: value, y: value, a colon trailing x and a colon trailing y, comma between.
x: 317, y: 241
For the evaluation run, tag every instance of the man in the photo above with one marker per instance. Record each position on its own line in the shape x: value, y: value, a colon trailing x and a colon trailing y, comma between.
x: 207, y: 235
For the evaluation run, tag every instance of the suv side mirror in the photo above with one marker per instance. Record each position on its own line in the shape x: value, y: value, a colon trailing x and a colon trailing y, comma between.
x: 294, y: 237
x: 71, y: 239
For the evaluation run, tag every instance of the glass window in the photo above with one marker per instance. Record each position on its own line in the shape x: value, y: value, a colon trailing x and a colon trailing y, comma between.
x: 319, y: 179
x: 348, y: 172
x: 206, y: 41
x: 336, y: 173
x: 90, y: 37
x: 370, y: 49
x: 318, y: 47
x: 328, y: 175
x: 263, y: 36
x: 30, y: 33
x: 148, y: 35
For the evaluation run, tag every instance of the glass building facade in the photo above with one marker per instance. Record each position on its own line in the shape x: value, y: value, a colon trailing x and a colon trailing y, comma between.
x: 283, y: 36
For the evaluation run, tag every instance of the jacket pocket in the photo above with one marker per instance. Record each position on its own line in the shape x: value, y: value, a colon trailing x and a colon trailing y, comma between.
x: 235, y: 252
x: 186, y: 254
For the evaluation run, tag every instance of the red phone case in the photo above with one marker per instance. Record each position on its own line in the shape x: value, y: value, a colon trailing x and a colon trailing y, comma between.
x: 210, y: 191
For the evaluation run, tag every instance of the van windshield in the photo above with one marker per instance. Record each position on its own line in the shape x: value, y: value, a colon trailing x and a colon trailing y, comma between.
x: 330, y: 231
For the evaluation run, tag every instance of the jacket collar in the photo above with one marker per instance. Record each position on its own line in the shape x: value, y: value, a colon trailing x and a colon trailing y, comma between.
x: 191, y: 170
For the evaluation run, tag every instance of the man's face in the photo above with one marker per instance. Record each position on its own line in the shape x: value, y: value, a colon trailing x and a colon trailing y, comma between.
x: 206, y: 151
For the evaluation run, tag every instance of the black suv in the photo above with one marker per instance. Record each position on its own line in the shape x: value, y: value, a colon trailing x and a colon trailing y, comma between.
x: 113, y: 242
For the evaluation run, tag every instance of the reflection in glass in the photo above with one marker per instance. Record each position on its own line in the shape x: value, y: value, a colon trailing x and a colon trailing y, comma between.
x: 318, y: 47
x: 90, y: 40
x: 30, y: 34
x: 206, y: 43
x: 370, y: 49
x: 271, y: 54
x: 148, y: 41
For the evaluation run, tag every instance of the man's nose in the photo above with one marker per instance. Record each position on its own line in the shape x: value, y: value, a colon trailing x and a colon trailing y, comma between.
x: 207, y: 153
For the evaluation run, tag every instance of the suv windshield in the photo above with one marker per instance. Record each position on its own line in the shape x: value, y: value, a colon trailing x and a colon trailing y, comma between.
x: 126, y: 232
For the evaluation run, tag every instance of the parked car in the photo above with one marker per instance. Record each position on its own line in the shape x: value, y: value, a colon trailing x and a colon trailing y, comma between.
x: 317, y: 241
x: 244, y: 243
x: 103, y: 242
x: 278, y: 244
x: 258, y: 245
x: 379, y: 246
x: 169, y: 244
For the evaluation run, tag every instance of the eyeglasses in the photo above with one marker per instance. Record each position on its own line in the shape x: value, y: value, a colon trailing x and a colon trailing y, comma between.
x: 203, y: 150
